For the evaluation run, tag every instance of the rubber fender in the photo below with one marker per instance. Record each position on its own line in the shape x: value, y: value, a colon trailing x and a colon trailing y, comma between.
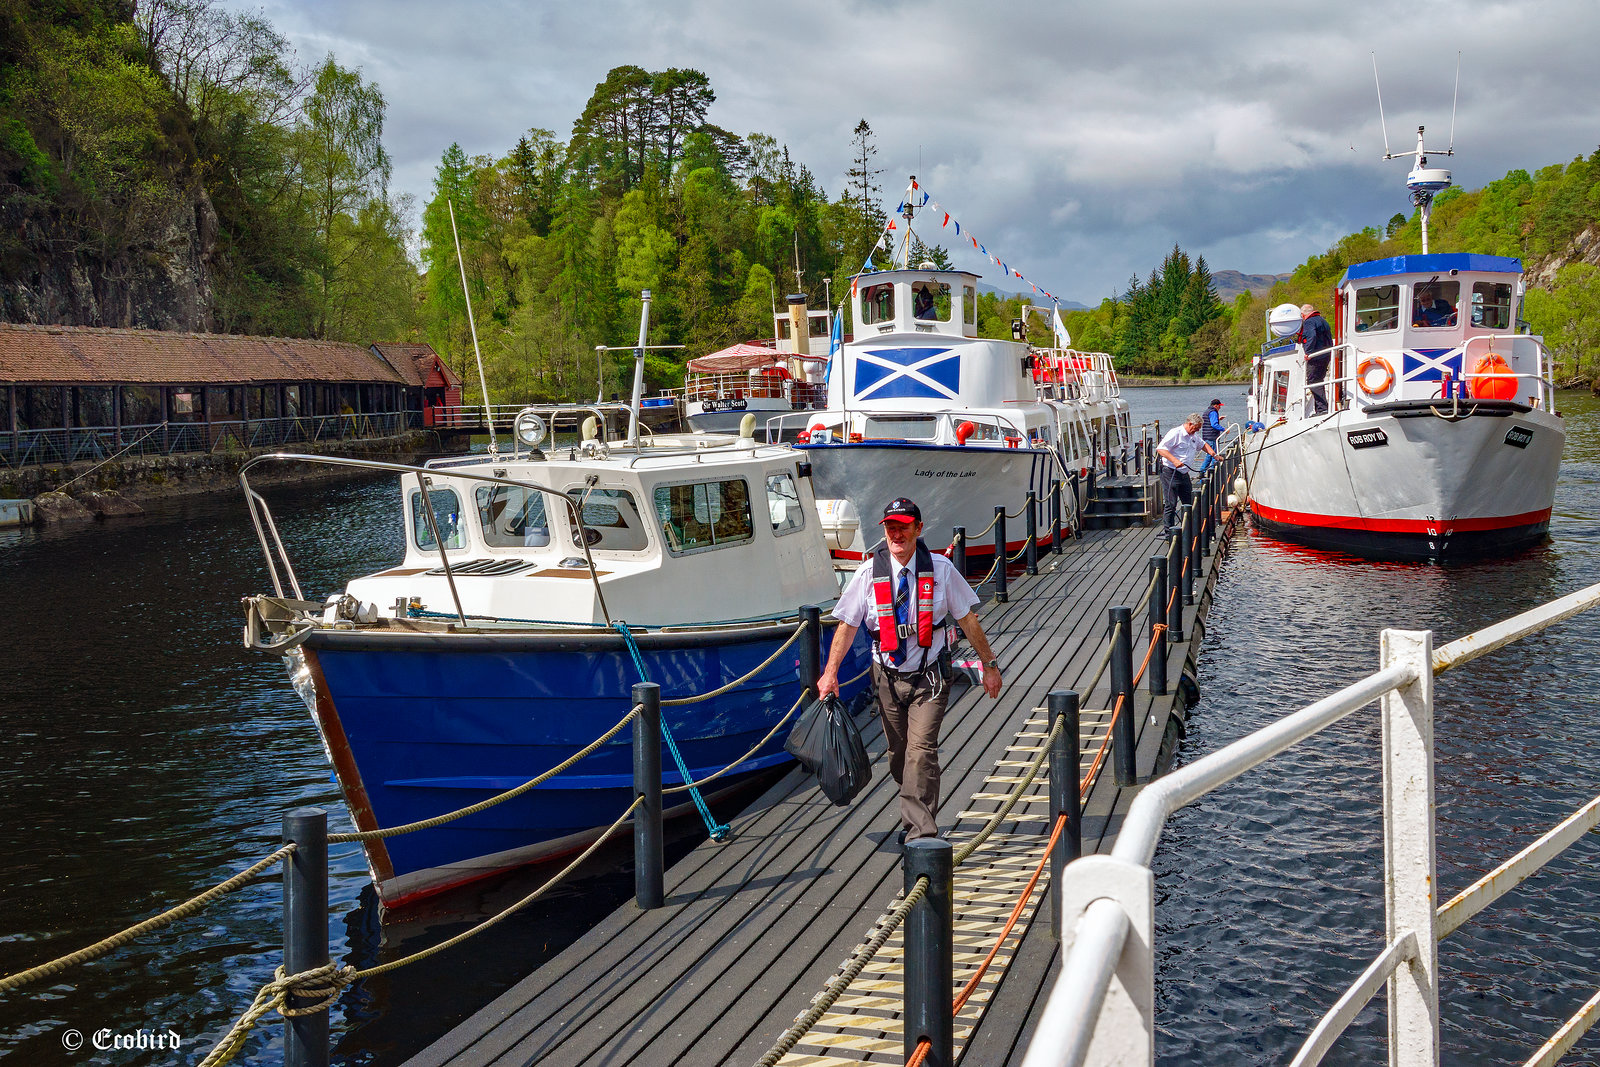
x: 1188, y: 688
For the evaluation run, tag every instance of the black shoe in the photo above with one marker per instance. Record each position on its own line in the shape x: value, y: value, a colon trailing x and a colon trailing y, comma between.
x: 901, y: 840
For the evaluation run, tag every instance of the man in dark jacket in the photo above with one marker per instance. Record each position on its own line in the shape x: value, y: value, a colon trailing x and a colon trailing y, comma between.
x: 1318, y: 341
x: 1210, y: 430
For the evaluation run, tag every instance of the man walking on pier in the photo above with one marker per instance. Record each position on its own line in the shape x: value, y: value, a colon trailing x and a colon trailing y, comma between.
x: 907, y: 597
x: 1176, y: 449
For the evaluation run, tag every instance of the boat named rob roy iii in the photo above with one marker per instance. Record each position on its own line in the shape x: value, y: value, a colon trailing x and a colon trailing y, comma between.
x: 1433, y: 435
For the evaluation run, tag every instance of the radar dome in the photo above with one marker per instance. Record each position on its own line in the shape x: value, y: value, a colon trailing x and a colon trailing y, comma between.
x: 1284, y: 320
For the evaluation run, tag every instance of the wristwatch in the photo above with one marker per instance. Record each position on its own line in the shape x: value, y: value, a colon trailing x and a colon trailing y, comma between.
x: 995, y: 663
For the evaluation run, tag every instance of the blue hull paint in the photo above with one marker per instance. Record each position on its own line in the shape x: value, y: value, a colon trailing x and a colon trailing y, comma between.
x: 431, y: 730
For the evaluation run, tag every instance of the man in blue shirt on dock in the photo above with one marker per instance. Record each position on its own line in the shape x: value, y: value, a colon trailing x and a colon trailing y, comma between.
x: 907, y: 597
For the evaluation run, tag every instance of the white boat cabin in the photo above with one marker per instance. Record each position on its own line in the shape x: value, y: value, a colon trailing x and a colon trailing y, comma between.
x: 1406, y: 330
x: 665, y: 527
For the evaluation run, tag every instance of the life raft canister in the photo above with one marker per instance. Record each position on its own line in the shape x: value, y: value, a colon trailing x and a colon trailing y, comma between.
x: 1385, y: 372
x: 1484, y: 386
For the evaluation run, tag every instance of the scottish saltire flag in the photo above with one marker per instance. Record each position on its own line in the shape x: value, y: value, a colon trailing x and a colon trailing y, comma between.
x: 922, y: 373
x: 1430, y: 364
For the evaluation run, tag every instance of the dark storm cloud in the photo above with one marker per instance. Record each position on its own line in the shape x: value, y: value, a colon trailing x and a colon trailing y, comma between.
x: 1079, y: 145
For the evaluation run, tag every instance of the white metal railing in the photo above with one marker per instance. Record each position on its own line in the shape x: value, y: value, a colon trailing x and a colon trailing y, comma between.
x: 1101, y: 1010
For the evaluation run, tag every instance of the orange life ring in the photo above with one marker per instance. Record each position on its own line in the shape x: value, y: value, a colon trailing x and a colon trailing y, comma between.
x: 1383, y: 366
x: 1489, y: 386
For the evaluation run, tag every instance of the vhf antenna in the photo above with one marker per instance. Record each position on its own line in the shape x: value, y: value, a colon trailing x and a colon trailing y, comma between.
x: 1381, y: 122
x: 1453, y: 98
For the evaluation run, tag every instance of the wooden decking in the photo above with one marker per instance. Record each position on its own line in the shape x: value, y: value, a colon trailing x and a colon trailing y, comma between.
x: 753, y: 928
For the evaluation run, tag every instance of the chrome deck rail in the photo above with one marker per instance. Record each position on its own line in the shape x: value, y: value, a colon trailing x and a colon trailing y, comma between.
x: 1101, y: 1010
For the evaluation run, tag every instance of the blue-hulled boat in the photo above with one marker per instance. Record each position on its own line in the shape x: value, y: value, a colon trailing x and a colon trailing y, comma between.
x: 536, y: 589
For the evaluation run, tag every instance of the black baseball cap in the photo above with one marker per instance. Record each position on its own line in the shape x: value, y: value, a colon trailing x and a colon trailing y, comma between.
x: 900, y: 510
x: 1216, y: 403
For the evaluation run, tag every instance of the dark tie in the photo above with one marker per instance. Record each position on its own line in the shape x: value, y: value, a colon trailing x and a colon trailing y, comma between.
x: 902, y: 598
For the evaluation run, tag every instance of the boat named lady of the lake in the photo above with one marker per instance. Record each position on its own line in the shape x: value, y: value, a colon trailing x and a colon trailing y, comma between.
x: 536, y: 589
x: 1439, y: 439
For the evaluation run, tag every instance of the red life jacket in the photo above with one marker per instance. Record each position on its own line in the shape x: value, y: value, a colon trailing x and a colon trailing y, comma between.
x: 884, y: 572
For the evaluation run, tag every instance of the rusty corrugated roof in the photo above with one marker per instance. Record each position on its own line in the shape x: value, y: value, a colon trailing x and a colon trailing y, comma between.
x: 91, y: 354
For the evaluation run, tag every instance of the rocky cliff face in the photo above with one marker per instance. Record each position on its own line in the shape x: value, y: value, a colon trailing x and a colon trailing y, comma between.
x: 1584, y: 248
x: 161, y: 282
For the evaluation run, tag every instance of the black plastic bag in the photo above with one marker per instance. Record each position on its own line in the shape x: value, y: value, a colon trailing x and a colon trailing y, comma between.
x: 825, y: 740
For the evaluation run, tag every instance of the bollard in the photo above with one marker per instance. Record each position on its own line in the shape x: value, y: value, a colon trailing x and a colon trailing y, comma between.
x: 1111, y: 460
x: 1065, y: 776
x: 1158, y: 615
x: 811, y: 647
x: 1000, y: 554
x: 1055, y: 516
x: 1030, y: 551
x: 1088, y: 486
x: 647, y: 863
x: 1186, y: 531
x: 1174, y: 581
x: 929, y: 970
x: 958, y: 550
x: 305, y: 930
x: 1077, y: 500
x: 1122, y: 685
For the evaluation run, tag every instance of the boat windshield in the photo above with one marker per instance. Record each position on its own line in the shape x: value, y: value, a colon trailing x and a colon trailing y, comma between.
x: 705, y: 515
x: 512, y: 517
x: 612, y: 520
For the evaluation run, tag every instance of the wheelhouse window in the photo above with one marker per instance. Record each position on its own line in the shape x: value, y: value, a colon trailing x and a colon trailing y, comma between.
x: 1278, y: 402
x: 446, y: 507
x: 783, y: 503
x: 969, y: 305
x: 877, y: 303
x: 611, y: 520
x: 1435, y: 304
x: 930, y: 301
x: 512, y: 516
x: 1377, y: 308
x: 1491, y: 305
x: 901, y: 427
x: 704, y: 515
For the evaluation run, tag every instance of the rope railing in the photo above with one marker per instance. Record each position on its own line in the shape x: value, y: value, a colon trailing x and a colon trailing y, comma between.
x: 155, y: 922
x: 326, y: 982
x: 1023, y: 551
x: 737, y: 682
x: 686, y: 786
x: 485, y: 805
x: 977, y: 840
x: 974, y: 535
x: 887, y: 924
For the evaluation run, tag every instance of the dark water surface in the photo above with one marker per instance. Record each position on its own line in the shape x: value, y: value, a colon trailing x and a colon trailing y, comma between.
x: 146, y: 756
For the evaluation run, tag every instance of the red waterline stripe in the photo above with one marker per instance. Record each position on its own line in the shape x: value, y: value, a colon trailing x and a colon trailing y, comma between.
x: 1409, y: 526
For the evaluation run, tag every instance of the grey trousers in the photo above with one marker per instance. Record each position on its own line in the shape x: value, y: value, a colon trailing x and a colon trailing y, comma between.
x: 913, y: 709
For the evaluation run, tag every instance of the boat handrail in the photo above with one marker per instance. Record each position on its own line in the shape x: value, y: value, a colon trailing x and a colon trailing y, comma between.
x: 1111, y: 944
x: 259, y: 511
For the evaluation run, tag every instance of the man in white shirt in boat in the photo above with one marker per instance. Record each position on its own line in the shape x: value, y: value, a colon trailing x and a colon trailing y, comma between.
x: 907, y: 596
x: 1176, y: 449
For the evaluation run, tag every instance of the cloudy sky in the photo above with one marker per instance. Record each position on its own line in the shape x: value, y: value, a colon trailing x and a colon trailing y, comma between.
x: 1079, y: 142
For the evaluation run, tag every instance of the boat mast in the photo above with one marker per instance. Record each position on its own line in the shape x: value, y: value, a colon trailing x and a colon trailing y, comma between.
x: 483, y: 384
x: 906, y: 211
x: 638, y: 367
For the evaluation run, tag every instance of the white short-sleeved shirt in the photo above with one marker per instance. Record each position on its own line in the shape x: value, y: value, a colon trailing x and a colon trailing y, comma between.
x: 1181, y: 443
x: 953, y: 598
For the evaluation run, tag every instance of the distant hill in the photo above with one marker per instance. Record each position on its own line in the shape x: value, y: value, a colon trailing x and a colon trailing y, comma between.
x: 1230, y: 283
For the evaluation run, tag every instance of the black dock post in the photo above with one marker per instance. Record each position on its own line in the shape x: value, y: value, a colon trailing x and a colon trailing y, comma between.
x: 958, y: 549
x: 1030, y: 551
x: 1000, y: 554
x: 1174, y: 585
x: 929, y: 968
x: 305, y: 930
x: 647, y: 863
x: 1158, y: 616
x: 1077, y: 502
x: 811, y: 647
x: 1065, y: 774
x: 1122, y: 686
x: 1190, y: 556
